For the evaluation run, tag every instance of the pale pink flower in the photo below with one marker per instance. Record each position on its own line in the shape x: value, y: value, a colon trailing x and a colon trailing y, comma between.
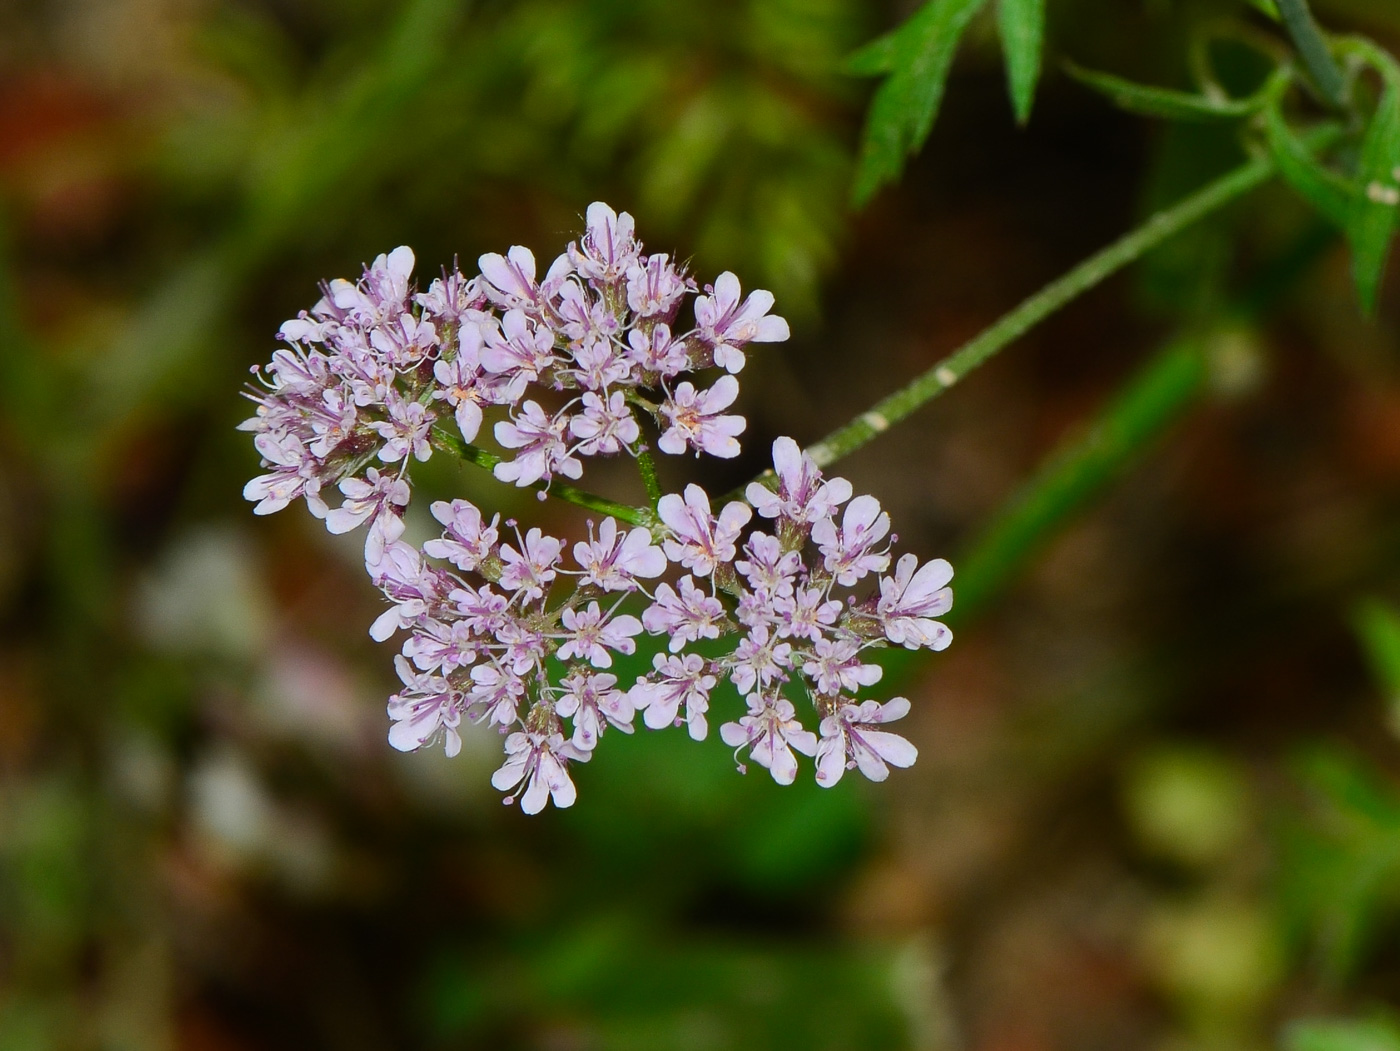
x: 608, y: 248
x: 801, y: 495
x: 537, y: 763
x: 598, y: 364
x: 592, y: 701
x: 910, y: 600
x: 684, y: 615
x: 769, y: 569
x: 531, y: 570
x: 378, y: 499
x: 495, y: 695
x: 543, y: 449
x: 695, y: 420
x: 851, y: 739
x: 680, y: 681
x: 759, y: 660
x: 510, y: 279
x: 771, y: 733
x: 849, y: 551
x: 806, y: 613
x: 698, y: 540
x: 412, y: 587
x: 406, y: 429
x: 726, y: 324
x: 835, y: 666
x: 404, y: 341
x: 468, y: 540
x: 296, y: 473
x: 658, y: 352
x: 614, y: 560
x: 436, y: 646
x: 604, y: 427
x: 590, y: 634
x: 520, y: 348
x: 427, y: 705
x: 655, y: 287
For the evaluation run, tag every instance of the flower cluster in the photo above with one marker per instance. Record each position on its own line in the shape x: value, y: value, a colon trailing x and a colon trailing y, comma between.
x: 519, y: 630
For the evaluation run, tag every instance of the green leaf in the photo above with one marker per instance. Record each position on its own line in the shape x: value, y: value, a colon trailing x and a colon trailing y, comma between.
x: 1324, y: 189
x: 1378, y: 626
x: 1372, y: 218
x: 1341, y: 1036
x: 874, y: 59
x: 905, y: 106
x: 1163, y: 102
x: 1267, y: 7
x: 1021, y: 24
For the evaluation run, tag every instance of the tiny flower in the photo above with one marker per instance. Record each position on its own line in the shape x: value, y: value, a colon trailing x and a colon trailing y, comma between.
x: 806, y: 613
x: 608, y: 248
x: 592, y: 701
x: 520, y: 348
x: 686, y: 615
x: 481, y: 609
x: 604, y: 427
x: 543, y: 450
x: 523, y: 644
x: 851, y: 739
x: 510, y: 279
x: 835, y: 666
x: 404, y: 341
x: 771, y: 733
x: 378, y: 499
x: 848, y: 550
x: 463, y: 385
x: 418, y: 712
x: 590, y: 634
x: 495, y: 695
x: 655, y: 287
x: 441, y: 647
x: 658, y: 352
x: 697, y: 540
x: 910, y: 600
x: 680, y: 681
x: 537, y: 763
x: 599, y: 364
x: 333, y: 422
x: 726, y: 324
x: 406, y: 429
x: 296, y: 474
x: 801, y: 494
x: 531, y: 571
x: 695, y: 420
x: 769, y: 569
x: 614, y: 560
x: 759, y: 660
x: 452, y: 298
x: 468, y: 541
x: 412, y: 587
x: 584, y: 317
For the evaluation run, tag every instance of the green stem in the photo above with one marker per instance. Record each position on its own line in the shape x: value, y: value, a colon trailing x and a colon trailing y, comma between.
x: 479, y: 456
x: 1094, y: 270
x: 647, y: 466
x: 1312, y: 48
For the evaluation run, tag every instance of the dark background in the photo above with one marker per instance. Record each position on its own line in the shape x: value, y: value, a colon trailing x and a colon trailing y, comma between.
x: 1156, y: 803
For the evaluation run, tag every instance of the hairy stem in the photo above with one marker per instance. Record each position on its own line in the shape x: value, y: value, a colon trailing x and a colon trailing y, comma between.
x: 1094, y: 270
x: 1312, y: 48
x: 647, y: 466
x: 479, y: 456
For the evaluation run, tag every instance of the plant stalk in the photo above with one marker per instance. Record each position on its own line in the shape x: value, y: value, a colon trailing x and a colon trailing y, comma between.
x: 568, y: 493
x: 1322, y: 68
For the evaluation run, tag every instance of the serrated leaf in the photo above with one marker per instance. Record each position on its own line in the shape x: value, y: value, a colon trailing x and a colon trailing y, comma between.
x: 1372, y: 219
x: 906, y: 104
x: 1324, y: 189
x: 1021, y: 24
x: 1162, y: 102
x: 1341, y: 1036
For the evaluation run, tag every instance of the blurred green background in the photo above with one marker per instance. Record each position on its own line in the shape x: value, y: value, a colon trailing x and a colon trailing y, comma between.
x: 1158, y: 799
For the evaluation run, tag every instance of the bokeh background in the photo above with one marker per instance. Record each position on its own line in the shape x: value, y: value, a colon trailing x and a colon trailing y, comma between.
x: 1158, y: 799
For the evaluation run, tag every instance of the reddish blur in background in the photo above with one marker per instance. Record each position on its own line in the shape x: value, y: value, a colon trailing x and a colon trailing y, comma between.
x: 1157, y: 801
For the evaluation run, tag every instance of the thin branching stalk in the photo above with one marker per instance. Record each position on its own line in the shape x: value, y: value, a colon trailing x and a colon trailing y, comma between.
x: 568, y: 493
x: 1322, y: 68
